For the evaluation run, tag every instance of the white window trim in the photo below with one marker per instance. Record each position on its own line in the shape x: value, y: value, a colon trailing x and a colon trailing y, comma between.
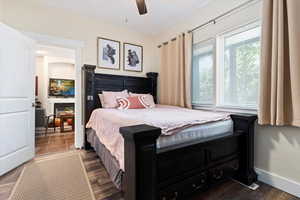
x: 214, y: 43
x: 218, y: 77
x: 220, y: 59
x: 223, y: 109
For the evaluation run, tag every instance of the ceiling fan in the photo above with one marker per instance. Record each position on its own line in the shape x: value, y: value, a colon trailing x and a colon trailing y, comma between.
x: 141, y: 4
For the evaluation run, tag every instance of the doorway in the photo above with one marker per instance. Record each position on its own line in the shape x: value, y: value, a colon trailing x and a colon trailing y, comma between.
x: 55, y: 99
x: 71, y: 53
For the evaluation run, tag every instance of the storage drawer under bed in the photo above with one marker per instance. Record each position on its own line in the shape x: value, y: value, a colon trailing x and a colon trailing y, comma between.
x: 223, y: 172
x: 184, y: 188
x: 200, y: 182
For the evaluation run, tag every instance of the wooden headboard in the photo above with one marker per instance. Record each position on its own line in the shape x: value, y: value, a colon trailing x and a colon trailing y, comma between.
x: 95, y: 83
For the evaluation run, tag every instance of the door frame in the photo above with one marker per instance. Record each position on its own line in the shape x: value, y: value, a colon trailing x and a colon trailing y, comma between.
x: 77, y: 46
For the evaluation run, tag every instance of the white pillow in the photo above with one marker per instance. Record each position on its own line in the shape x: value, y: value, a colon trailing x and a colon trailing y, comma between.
x: 101, y: 99
x: 110, y: 98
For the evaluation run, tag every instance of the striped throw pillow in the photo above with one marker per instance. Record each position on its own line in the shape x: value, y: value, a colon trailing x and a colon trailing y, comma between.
x: 136, y: 102
x: 149, y: 100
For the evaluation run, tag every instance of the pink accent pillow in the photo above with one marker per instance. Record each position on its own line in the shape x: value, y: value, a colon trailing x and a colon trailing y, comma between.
x: 136, y: 102
x: 148, y: 98
x: 110, y: 98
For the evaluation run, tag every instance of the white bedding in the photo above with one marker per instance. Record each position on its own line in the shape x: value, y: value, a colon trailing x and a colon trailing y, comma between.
x: 171, y: 119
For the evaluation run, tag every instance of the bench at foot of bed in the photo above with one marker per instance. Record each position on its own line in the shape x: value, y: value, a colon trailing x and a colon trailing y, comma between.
x: 178, y: 173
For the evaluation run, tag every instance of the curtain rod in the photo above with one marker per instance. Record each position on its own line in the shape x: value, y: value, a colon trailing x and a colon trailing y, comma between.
x: 213, y: 21
x: 165, y: 43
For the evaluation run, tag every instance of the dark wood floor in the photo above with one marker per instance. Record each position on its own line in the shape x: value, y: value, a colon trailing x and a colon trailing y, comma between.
x: 230, y: 190
x: 104, y: 189
x: 54, y: 143
x: 100, y: 181
x: 234, y: 191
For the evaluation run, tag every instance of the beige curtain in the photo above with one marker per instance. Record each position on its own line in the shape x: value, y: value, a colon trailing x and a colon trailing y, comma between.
x: 280, y: 67
x: 175, y: 74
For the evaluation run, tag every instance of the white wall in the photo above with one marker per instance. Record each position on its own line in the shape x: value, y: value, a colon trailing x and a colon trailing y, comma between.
x: 30, y: 16
x: 61, y: 70
x: 277, y: 149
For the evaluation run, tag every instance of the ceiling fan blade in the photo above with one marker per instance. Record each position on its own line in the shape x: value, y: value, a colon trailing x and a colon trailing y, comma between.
x: 141, y: 4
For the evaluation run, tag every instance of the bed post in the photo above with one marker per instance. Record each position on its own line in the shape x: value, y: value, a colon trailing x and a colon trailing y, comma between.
x: 153, y: 76
x: 89, y: 76
x: 244, y: 124
x: 140, y: 181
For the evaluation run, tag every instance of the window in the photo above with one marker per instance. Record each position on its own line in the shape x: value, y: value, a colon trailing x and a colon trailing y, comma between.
x: 203, y: 73
x: 232, y: 82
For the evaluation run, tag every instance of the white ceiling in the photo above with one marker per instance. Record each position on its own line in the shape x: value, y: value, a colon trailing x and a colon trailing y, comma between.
x: 161, y: 13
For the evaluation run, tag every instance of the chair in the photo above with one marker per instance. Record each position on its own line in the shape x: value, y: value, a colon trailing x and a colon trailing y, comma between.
x: 52, y: 122
x: 40, y: 121
x: 39, y: 117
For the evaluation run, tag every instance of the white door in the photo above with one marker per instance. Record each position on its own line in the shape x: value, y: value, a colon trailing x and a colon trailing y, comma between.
x: 16, y: 98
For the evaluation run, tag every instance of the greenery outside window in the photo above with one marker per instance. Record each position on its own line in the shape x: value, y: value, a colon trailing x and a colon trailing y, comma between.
x: 226, y: 75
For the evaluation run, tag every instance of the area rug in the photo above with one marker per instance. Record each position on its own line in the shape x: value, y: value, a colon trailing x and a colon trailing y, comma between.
x: 56, y: 177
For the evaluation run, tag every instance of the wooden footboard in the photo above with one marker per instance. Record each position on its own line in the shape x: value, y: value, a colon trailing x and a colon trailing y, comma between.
x: 176, y: 174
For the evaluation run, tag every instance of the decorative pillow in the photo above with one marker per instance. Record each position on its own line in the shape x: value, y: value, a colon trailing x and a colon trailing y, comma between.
x: 149, y: 100
x: 110, y: 98
x: 136, y: 102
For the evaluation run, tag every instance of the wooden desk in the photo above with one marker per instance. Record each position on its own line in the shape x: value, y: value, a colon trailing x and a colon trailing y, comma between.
x: 63, y: 118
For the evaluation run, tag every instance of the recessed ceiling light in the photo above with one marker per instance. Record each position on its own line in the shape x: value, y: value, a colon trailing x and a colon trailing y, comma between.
x: 40, y: 52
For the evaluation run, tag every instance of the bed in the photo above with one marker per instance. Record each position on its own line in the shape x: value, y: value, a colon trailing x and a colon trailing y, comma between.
x: 204, y: 154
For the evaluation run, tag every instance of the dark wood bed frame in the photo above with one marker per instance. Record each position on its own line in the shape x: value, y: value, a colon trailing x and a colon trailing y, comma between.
x: 152, y: 174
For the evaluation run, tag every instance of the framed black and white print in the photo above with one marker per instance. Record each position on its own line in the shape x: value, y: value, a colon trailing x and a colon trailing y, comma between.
x: 133, y: 57
x: 109, y: 53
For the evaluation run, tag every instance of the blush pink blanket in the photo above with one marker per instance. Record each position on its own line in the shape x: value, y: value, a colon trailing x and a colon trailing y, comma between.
x: 171, y: 119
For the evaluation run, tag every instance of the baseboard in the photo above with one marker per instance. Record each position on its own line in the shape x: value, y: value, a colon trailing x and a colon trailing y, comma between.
x: 279, y: 182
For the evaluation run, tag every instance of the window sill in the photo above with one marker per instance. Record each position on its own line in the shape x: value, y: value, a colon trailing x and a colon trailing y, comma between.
x: 225, y: 109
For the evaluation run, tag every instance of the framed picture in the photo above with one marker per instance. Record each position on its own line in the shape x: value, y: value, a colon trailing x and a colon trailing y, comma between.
x: 109, y: 53
x: 133, y: 57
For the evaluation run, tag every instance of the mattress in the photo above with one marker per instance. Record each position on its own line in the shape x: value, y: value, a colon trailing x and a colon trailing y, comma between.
x: 195, y: 134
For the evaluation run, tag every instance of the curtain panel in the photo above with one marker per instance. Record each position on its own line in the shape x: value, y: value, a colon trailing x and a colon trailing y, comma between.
x: 280, y: 63
x: 175, y: 74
